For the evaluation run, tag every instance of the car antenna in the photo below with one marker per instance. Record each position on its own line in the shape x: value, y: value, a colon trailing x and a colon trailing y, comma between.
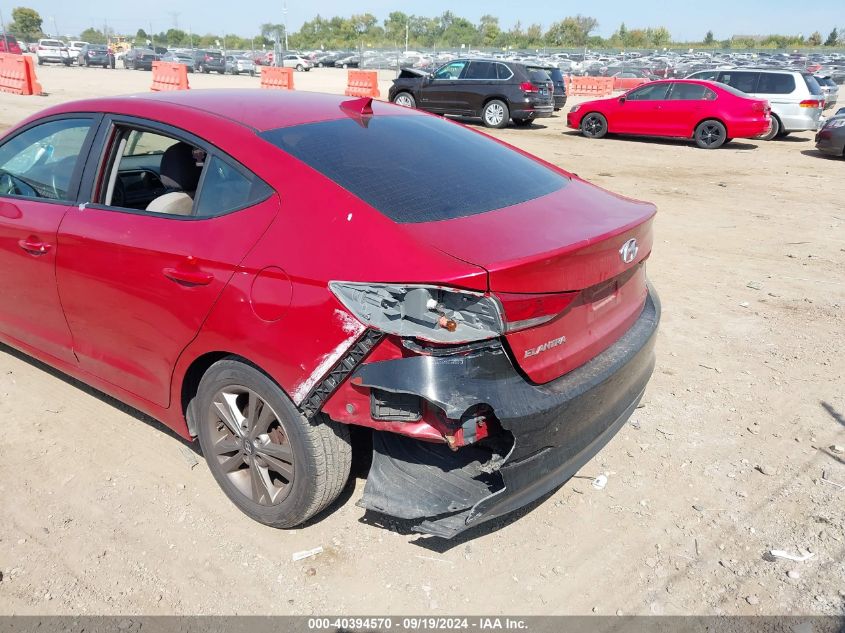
x: 359, y: 109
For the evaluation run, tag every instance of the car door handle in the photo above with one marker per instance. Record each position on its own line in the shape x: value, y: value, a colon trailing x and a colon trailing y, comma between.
x: 191, y: 277
x: 34, y: 246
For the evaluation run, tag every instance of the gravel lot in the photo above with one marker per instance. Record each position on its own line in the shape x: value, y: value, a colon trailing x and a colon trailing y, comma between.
x: 105, y: 513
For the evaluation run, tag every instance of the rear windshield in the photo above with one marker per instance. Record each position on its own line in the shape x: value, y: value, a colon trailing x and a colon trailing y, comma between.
x: 418, y: 168
x: 55, y: 43
x: 8, y: 38
x: 812, y: 84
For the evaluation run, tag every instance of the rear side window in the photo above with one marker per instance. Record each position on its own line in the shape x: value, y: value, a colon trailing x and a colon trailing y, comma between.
x: 225, y: 188
x: 776, y: 84
x: 481, y: 70
x: 705, y: 74
x: 689, y: 92
x: 503, y: 72
x: 812, y: 85
x: 742, y: 81
x: 418, y: 168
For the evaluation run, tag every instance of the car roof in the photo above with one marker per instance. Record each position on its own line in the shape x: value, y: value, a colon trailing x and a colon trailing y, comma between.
x: 258, y: 109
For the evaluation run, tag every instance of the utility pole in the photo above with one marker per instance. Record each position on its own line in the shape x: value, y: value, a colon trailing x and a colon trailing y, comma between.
x: 55, y: 28
x: 285, y: 13
x: 407, y: 31
x: 5, y: 37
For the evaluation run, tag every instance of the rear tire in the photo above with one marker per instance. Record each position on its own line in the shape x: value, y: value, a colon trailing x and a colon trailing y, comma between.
x: 710, y: 134
x: 495, y: 114
x: 594, y: 125
x: 523, y: 122
x: 275, y: 465
x: 773, y: 132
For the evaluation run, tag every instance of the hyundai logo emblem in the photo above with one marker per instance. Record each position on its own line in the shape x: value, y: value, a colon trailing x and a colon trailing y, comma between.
x: 629, y: 251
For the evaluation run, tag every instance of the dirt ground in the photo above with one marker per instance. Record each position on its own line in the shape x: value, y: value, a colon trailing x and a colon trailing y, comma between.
x: 103, y: 513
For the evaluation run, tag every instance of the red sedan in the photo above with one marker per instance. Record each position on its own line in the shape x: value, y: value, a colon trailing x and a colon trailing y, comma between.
x: 260, y: 270
x: 710, y: 113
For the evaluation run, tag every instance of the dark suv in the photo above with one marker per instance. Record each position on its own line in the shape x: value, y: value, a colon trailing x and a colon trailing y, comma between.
x: 139, y: 59
x: 556, y: 75
x: 497, y: 91
x: 206, y: 61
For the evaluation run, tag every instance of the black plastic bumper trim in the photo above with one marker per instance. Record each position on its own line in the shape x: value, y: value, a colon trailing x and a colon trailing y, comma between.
x: 557, y: 427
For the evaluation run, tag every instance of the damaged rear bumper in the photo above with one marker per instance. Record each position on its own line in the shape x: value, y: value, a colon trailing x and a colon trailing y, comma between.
x: 556, y: 428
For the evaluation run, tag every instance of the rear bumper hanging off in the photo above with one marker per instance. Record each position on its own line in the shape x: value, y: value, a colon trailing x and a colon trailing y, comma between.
x: 556, y: 428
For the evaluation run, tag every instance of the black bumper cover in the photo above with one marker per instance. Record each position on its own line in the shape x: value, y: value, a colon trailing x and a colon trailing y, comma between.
x: 557, y: 427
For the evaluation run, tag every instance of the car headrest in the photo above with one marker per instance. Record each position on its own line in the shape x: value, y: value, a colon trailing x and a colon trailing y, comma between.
x: 179, y: 169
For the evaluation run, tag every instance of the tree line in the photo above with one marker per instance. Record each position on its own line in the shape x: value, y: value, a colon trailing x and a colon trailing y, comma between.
x: 447, y: 30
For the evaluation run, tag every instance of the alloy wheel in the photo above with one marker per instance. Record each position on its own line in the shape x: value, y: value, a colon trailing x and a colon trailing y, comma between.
x: 494, y: 114
x: 710, y: 134
x: 250, y: 444
x: 404, y: 100
x: 593, y: 125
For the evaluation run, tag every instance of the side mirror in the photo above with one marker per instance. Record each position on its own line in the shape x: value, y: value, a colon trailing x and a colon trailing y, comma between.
x: 621, y: 99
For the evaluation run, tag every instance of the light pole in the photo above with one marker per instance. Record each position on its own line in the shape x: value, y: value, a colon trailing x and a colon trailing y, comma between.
x: 55, y: 28
x: 285, y: 13
x: 5, y: 37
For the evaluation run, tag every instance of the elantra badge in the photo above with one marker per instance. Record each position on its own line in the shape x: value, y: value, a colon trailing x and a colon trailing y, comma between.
x: 629, y: 251
x: 544, y: 347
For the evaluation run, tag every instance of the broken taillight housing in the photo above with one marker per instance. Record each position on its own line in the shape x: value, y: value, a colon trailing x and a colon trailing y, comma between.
x: 429, y: 313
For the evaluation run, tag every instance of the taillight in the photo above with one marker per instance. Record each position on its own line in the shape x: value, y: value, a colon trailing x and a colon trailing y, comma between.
x: 759, y: 106
x: 811, y: 103
x: 527, y: 86
x: 41, y: 48
x: 430, y: 313
x: 523, y: 311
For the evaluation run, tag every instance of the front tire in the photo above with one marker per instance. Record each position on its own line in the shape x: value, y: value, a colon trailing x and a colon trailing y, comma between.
x: 300, y: 68
x: 275, y: 465
x: 495, y: 114
x: 594, y: 125
x: 405, y: 99
x: 710, y: 134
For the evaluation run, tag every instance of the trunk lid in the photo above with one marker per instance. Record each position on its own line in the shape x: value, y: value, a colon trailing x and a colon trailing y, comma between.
x: 566, y: 252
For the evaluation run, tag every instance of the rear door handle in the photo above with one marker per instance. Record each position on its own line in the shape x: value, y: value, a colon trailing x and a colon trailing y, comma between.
x: 34, y: 246
x: 190, y: 277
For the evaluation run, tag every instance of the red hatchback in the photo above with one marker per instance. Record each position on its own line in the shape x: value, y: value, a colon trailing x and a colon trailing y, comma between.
x: 710, y: 113
x: 263, y: 269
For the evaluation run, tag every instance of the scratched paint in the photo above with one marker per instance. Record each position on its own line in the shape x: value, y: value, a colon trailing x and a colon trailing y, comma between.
x: 353, y: 329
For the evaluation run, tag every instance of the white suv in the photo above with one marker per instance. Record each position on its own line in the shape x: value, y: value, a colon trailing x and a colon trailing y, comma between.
x: 73, y: 47
x: 795, y: 97
x: 52, y: 51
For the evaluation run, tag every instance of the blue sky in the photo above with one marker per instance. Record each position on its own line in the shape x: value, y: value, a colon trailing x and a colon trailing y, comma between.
x: 685, y: 20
